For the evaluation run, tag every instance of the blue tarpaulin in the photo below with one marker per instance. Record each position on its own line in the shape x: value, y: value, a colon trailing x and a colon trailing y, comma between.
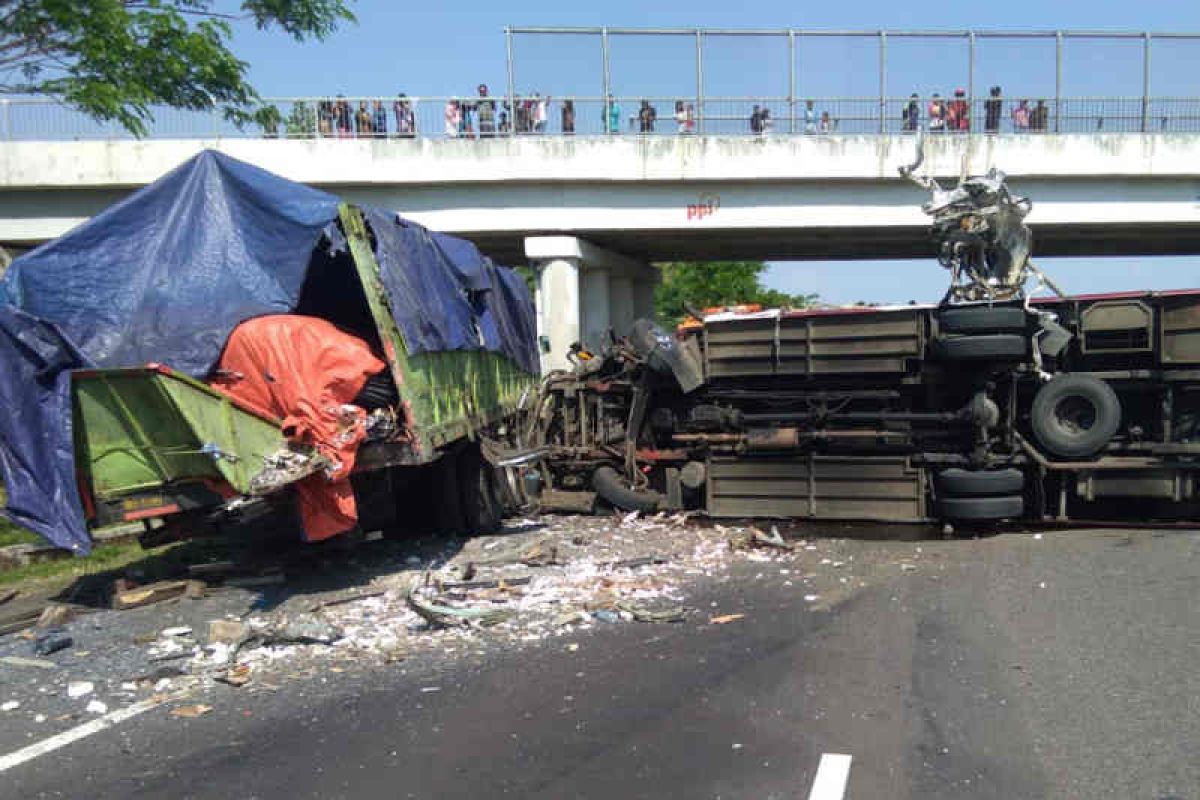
x: 168, y: 273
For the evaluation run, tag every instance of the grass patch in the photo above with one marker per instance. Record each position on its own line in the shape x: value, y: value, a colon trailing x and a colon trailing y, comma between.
x: 102, y: 559
x: 14, y: 534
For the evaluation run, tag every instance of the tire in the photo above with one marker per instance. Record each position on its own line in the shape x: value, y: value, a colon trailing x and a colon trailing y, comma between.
x: 982, y: 319
x: 985, y: 347
x: 611, y: 487
x: 448, y: 511
x: 477, y: 494
x: 1075, y: 416
x: 982, y: 508
x: 979, y: 483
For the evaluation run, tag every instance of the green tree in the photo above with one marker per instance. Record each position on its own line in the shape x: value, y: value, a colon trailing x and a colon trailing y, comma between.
x: 700, y: 284
x: 114, y: 59
x: 302, y: 122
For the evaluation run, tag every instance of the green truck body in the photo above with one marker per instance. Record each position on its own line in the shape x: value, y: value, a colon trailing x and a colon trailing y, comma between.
x: 151, y: 442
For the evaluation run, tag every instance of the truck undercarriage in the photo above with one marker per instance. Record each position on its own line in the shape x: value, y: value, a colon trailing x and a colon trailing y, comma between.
x: 989, y: 406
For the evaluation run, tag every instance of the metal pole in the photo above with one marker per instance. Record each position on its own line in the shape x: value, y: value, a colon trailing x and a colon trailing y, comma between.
x: 882, y: 81
x: 971, y: 80
x: 699, y: 82
x: 7, y: 121
x: 1058, y: 64
x: 792, y: 81
x: 512, y: 83
x: 1146, y: 83
x: 604, y: 77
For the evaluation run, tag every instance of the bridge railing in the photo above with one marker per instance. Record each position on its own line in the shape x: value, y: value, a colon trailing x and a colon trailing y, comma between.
x: 43, y: 119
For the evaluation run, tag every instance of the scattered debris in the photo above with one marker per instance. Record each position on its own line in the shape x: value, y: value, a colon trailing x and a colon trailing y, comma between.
x: 79, y: 688
x: 212, y: 569
x: 441, y: 616
x: 191, y: 712
x: 19, y: 621
x: 176, y: 632
x: 252, y: 581
x: 645, y: 614
x: 540, y: 554
x: 227, y: 631
x: 501, y: 583
x: 97, y: 707
x: 50, y: 643
x: 238, y: 675
x: 157, y: 593
x: 37, y: 663
x: 350, y: 598
x: 7, y: 595
x: 11, y: 705
x: 725, y: 619
x: 55, y: 615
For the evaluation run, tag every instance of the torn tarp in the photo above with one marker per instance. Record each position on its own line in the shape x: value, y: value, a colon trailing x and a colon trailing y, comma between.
x: 36, y: 453
x: 306, y: 372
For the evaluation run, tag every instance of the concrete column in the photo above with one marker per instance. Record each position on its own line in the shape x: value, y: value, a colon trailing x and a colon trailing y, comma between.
x: 559, y: 323
x: 643, y: 298
x: 596, y: 306
x: 583, y: 290
x: 620, y: 292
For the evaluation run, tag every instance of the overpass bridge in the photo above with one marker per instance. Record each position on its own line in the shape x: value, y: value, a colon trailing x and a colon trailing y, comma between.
x: 593, y: 211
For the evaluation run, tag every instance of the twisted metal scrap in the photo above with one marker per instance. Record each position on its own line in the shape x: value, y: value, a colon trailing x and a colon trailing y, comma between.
x: 449, y: 617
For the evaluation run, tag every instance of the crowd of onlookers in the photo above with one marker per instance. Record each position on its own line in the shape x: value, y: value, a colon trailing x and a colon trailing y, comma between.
x: 954, y: 115
x: 484, y: 116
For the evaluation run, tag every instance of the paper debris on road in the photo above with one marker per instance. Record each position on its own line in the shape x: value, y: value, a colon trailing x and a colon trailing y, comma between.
x: 191, y: 712
x: 79, y: 688
x: 725, y: 619
x: 97, y: 707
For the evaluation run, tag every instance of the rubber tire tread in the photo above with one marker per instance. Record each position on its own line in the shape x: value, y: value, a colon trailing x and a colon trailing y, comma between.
x: 447, y: 512
x: 611, y: 487
x: 982, y: 508
x: 982, y: 319
x: 1059, y: 442
x: 984, y: 347
x: 957, y: 482
x: 477, y: 494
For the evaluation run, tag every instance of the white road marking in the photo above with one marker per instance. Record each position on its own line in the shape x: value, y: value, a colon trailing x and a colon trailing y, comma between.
x: 75, y: 734
x: 832, y: 774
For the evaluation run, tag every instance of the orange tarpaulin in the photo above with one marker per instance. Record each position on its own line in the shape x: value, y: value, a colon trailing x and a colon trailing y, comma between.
x: 306, y: 371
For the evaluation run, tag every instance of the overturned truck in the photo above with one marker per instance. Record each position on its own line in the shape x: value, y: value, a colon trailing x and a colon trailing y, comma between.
x: 991, y: 405
x: 226, y: 346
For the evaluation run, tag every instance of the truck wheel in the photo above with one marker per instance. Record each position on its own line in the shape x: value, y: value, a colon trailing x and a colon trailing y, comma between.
x: 985, y: 347
x: 982, y: 508
x: 448, y: 510
x: 1075, y: 416
x: 477, y: 492
x: 611, y: 487
x: 982, y: 319
x: 979, y: 483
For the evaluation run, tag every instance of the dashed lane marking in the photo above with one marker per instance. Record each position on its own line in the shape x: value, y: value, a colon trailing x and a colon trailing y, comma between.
x: 832, y: 774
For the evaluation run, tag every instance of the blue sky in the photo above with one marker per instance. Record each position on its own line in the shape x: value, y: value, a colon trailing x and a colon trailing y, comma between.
x: 450, y: 47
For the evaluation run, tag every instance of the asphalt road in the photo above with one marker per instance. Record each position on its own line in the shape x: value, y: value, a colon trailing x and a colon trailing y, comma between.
x: 1009, y: 667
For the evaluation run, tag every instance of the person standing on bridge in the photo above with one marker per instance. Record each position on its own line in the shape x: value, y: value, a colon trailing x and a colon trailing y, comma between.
x: 958, y: 116
x: 568, y: 117
x: 810, y: 117
x: 406, y: 122
x: 756, y: 120
x: 911, y: 116
x: 1020, y: 117
x: 612, y: 115
x: 486, y: 108
x: 991, y: 110
x: 379, y: 118
x: 541, y: 112
x: 1039, y: 117
x: 452, y: 117
x: 937, y: 114
x: 646, y: 117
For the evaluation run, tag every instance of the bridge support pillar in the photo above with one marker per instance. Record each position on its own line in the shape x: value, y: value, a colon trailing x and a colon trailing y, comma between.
x: 583, y: 291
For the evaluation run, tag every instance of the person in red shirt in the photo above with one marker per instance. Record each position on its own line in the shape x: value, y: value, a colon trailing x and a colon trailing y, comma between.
x: 959, y: 113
